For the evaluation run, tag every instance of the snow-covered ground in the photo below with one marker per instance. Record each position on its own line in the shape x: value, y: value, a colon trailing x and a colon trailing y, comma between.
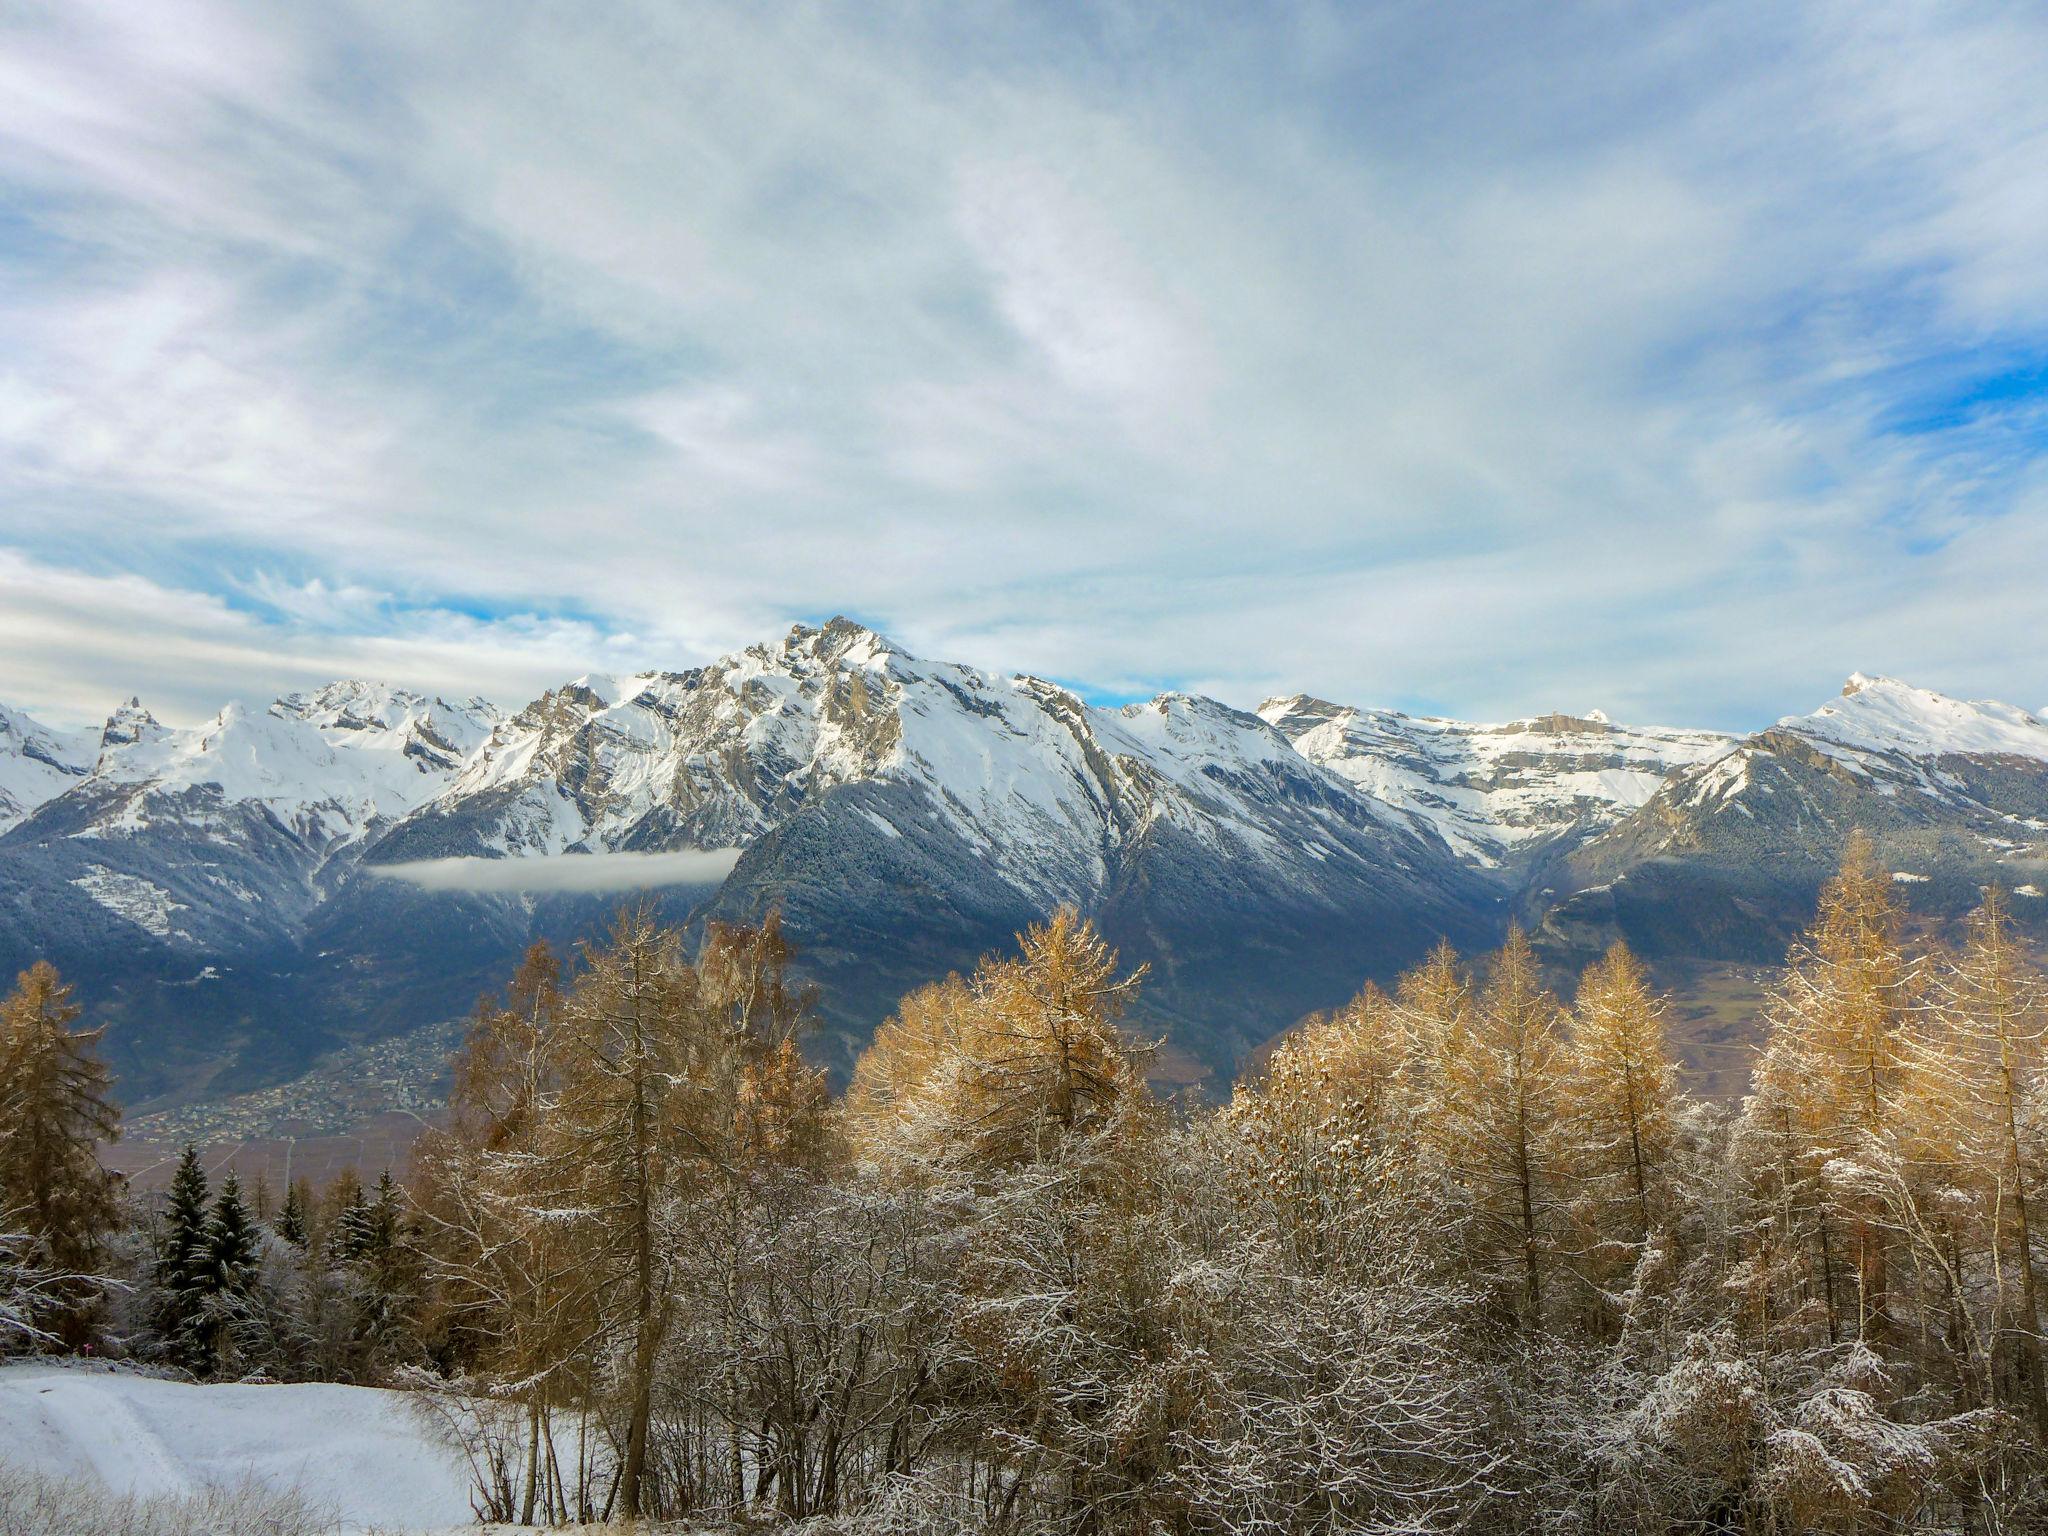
x: 356, y: 1451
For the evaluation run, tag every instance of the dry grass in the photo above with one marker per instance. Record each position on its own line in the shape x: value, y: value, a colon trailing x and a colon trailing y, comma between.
x: 33, y: 1504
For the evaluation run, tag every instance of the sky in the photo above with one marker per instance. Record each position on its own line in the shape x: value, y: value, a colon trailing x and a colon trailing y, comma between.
x: 1671, y: 360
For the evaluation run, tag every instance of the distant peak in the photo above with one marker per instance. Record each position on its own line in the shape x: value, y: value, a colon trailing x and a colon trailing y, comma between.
x: 1301, y: 704
x: 601, y: 686
x: 843, y: 639
x: 1877, y: 682
x: 130, y: 723
x: 1884, y: 714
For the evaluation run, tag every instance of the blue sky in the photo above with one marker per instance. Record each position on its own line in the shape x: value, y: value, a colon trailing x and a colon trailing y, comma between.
x: 1670, y: 360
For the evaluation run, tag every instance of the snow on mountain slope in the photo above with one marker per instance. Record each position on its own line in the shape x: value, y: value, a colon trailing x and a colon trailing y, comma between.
x: 327, y: 766
x: 356, y: 1451
x: 1883, y: 752
x: 1038, y: 784
x: 712, y: 757
x: 37, y: 763
x: 1881, y: 714
x: 215, y: 837
x: 1494, y: 793
x: 1724, y: 861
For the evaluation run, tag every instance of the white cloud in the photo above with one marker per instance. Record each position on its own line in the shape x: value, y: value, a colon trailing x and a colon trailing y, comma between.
x: 1389, y: 354
x: 568, y: 873
x: 1073, y: 290
x: 75, y: 644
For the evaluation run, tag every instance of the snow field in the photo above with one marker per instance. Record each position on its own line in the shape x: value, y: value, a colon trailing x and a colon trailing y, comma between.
x: 358, y: 1452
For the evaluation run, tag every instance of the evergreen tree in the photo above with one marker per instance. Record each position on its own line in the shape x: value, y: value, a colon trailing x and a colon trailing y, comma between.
x: 235, y: 1318
x: 231, y: 1238
x: 184, y: 1268
x: 262, y: 1203
x: 290, y: 1224
x: 348, y: 1225
x: 380, y: 1220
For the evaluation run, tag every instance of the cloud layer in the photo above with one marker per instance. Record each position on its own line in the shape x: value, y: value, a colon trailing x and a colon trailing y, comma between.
x: 579, y: 874
x: 1487, y: 359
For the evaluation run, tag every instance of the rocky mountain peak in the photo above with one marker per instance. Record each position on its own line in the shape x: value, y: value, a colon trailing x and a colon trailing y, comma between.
x: 130, y: 725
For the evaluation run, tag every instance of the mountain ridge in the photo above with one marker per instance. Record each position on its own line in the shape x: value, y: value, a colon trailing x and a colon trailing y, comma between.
x: 209, y: 884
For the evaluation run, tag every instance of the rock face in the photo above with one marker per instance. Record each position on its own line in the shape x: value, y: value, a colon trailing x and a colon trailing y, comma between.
x: 1501, y: 796
x: 237, y: 897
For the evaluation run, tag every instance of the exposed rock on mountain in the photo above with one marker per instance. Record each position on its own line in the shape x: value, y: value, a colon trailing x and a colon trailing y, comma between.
x: 241, y: 895
x: 1500, y: 795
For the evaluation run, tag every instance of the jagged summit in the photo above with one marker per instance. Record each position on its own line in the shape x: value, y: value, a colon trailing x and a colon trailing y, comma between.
x: 130, y: 724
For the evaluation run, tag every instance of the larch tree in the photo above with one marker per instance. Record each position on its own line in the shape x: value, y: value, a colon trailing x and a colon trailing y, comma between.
x: 1502, y: 1090
x: 1979, y: 1093
x: 1434, y: 1010
x: 613, y: 1143
x: 1020, y: 1091
x: 511, y: 1288
x: 1327, y: 1125
x: 55, y: 1110
x: 1832, y: 1072
x: 886, y: 1107
x: 1620, y: 1108
x: 1046, y: 1062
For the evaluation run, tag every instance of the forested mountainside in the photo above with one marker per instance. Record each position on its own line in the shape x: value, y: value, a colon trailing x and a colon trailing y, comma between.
x: 238, y: 897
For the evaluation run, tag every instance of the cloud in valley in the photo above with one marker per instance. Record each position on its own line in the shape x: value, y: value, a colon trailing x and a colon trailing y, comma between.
x: 580, y: 874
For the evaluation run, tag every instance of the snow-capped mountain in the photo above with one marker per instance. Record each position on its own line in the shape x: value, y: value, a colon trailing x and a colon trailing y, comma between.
x: 907, y: 814
x: 1725, y: 857
x: 327, y: 767
x: 1499, y: 795
x: 215, y: 837
x: 1881, y: 717
x: 227, y: 890
x: 37, y: 763
x: 1042, y: 787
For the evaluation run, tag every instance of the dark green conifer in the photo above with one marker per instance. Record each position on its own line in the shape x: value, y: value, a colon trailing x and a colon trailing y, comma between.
x: 183, y: 1263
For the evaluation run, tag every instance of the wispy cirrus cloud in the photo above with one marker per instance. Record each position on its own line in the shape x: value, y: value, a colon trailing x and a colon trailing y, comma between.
x: 1675, y: 362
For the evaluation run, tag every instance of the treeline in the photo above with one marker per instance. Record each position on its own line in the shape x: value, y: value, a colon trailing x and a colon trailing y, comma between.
x: 1461, y: 1256
x: 324, y: 1285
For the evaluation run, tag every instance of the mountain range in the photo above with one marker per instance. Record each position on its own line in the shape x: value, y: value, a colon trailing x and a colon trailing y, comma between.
x: 237, y: 898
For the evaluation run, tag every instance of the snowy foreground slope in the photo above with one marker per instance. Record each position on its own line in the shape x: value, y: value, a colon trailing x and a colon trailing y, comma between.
x: 356, y: 1452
